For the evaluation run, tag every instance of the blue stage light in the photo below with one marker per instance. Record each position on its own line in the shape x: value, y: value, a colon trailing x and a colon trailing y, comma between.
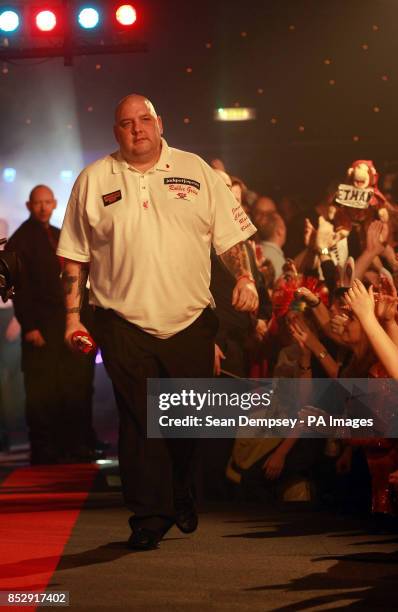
x: 66, y: 175
x: 9, y: 21
x: 9, y: 175
x: 88, y: 18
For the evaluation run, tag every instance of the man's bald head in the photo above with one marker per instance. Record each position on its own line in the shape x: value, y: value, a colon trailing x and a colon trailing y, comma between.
x: 41, y: 204
x: 264, y: 204
x: 40, y: 189
x: 134, y: 98
x: 272, y: 228
x: 138, y: 130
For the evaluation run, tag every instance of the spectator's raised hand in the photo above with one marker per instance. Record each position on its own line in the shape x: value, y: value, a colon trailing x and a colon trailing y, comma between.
x: 299, y: 333
x: 376, y: 237
x: 361, y: 302
x: 337, y: 323
x: 391, y: 257
x: 386, y: 300
x: 307, y: 296
x: 261, y: 329
x: 325, y: 235
x: 309, y: 234
x: 305, y: 338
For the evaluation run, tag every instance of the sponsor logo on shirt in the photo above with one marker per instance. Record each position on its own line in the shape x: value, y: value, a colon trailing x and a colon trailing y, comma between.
x: 241, y: 217
x: 182, y: 188
x: 111, y: 198
x: 177, y: 180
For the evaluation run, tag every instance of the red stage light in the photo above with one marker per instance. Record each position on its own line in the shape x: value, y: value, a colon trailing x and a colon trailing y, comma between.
x: 46, y: 21
x: 126, y: 15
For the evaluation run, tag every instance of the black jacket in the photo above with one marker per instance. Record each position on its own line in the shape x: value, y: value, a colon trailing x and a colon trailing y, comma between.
x: 39, y: 295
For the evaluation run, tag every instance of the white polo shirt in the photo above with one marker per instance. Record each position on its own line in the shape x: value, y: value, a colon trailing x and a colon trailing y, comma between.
x: 147, y: 236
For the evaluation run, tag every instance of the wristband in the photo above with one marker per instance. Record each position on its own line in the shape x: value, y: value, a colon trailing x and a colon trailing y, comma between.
x: 248, y: 276
x: 322, y: 354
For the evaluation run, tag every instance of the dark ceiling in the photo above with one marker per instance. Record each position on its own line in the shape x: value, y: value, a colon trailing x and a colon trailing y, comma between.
x: 321, y: 74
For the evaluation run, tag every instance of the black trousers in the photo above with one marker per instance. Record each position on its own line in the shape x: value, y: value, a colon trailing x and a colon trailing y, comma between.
x: 58, y: 389
x: 154, y: 472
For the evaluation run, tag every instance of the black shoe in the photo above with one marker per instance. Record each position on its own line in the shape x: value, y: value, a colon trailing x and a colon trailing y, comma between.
x: 144, y: 539
x: 186, y: 515
x: 102, y: 445
x: 147, y: 533
x: 100, y: 449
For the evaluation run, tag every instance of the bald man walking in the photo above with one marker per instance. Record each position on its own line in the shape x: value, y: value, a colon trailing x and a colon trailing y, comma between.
x: 141, y: 222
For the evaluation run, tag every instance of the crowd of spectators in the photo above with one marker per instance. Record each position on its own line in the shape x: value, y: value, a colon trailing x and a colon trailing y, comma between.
x: 328, y: 309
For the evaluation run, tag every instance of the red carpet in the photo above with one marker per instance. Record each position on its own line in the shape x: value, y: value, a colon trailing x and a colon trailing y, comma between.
x: 39, y: 507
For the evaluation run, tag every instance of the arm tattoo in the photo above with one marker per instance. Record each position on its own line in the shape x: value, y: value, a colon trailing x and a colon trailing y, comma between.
x: 74, y: 286
x: 68, y: 282
x: 236, y: 260
x: 83, y: 274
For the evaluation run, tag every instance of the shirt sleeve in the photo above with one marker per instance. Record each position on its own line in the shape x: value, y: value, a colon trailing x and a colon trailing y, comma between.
x: 230, y: 223
x: 74, y: 242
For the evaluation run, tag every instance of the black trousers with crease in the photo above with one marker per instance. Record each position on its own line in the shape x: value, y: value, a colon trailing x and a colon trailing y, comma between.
x: 154, y: 472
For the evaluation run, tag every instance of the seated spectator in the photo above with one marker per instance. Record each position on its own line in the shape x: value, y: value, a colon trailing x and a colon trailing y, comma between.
x: 272, y: 236
x: 262, y: 206
x: 290, y: 458
x: 240, y: 191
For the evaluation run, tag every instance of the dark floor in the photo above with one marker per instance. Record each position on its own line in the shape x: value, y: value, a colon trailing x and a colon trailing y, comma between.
x: 243, y: 557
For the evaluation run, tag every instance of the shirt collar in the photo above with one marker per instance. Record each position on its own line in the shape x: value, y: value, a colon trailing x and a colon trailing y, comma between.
x: 164, y: 161
x: 273, y: 245
x: 119, y: 164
